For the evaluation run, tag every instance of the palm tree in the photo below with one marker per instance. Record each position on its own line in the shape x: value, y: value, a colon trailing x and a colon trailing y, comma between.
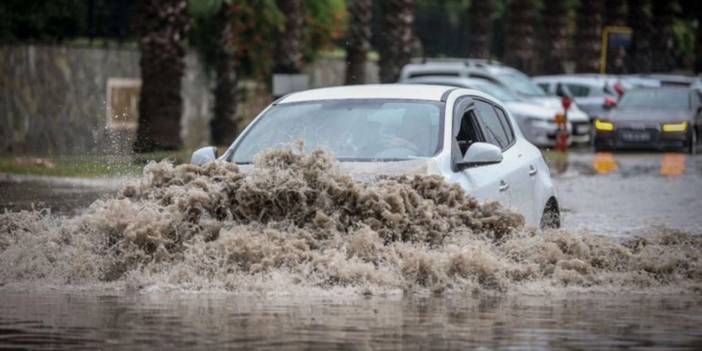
x: 555, y: 44
x: 289, y: 47
x: 396, y: 39
x: 481, y: 13
x: 224, y: 126
x: 588, y: 35
x: 615, y: 15
x: 663, y: 41
x: 162, y: 26
x: 359, y: 33
x: 519, y: 35
x: 640, y: 55
x: 698, y: 39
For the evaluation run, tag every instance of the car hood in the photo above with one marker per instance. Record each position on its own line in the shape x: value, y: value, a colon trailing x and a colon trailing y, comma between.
x: 648, y: 115
x: 365, y: 171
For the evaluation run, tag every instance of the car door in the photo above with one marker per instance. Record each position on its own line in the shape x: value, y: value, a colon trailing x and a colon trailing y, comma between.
x: 485, y: 183
x: 515, y: 164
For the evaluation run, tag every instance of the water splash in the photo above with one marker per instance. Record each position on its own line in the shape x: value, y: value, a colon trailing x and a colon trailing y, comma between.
x: 296, y: 222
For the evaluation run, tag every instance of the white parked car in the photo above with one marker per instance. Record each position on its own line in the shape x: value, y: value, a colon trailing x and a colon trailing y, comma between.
x: 536, y: 119
x: 593, y: 93
x: 466, y: 136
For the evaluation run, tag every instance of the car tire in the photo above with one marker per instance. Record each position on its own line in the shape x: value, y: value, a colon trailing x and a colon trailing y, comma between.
x: 692, y: 148
x: 551, y: 218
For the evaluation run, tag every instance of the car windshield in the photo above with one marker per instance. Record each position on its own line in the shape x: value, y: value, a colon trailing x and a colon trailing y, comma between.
x: 520, y: 83
x: 354, y: 130
x: 495, y: 90
x: 656, y: 98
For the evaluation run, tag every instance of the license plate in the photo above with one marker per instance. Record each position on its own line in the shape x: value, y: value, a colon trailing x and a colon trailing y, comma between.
x: 636, y: 136
x: 582, y: 129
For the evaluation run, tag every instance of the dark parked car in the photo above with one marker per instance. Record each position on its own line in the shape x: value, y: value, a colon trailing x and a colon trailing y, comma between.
x: 652, y: 118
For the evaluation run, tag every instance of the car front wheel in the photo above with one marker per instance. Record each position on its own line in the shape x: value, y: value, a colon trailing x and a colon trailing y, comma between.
x: 551, y: 218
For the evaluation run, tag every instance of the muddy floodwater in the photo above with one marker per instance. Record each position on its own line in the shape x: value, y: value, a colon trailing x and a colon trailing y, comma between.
x: 180, y: 261
x: 206, y: 321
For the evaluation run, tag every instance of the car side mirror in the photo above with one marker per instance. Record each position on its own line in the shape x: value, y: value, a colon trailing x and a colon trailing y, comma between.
x: 204, y: 156
x: 480, y: 154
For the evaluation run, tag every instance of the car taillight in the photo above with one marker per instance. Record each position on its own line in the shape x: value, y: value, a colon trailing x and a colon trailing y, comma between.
x: 609, y: 102
x: 566, y: 102
x: 619, y: 88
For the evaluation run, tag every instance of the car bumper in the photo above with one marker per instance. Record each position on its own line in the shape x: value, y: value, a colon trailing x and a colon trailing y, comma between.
x: 544, y: 134
x: 655, y: 140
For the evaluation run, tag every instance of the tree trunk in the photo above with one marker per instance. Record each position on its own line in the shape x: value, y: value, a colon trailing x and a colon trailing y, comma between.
x: 519, y: 36
x: 615, y: 15
x: 162, y: 27
x: 555, y: 44
x: 359, y: 33
x: 480, y: 35
x: 588, y: 36
x: 640, y: 54
x: 224, y: 126
x: 698, y: 39
x: 663, y: 41
x: 396, y: 38
x: 289, y: 47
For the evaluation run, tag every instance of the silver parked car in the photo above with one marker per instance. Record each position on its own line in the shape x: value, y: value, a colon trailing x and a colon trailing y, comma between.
x: 465, y: 136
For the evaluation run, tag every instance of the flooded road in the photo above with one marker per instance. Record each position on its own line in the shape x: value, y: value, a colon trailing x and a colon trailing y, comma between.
x: 624, y: 194
x: 207, y: 321
x: 617, y: 195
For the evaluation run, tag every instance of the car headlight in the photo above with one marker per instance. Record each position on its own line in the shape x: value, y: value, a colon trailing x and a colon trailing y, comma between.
x: 605, y: 126
x: 675, y: 127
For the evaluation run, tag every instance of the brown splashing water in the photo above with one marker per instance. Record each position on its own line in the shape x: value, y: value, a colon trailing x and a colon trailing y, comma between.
x: 297, y: 223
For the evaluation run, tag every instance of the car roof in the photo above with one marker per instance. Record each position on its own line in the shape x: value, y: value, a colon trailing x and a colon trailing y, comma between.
x: 370, y: 91
x: 591, y: 79
x: 452, y: 81
x: 455, y: 67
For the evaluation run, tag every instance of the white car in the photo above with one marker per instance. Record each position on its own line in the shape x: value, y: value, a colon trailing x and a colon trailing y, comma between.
x: 466, y: 136
x: 594, y: 93
x: 537, y: 120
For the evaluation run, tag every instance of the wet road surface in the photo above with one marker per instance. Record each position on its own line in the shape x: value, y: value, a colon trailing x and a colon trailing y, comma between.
x: 189, y: 322
x: 623, y: 194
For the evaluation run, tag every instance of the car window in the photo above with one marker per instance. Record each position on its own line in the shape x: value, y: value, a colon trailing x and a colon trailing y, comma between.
x: 506, y: 125
x: 670, y: 98
x: 359, y: 130
x: 578, y: 90
x: 545, y: 87
x: 492, y: 128
x: 469, y: 132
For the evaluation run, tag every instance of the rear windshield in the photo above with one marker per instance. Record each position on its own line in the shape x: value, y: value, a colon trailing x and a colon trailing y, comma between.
x: 520, y: 83
x: 656, y: 98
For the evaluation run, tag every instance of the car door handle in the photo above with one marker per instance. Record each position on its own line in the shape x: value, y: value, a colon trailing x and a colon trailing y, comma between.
x: 503, y: 186
x: 532, y: 170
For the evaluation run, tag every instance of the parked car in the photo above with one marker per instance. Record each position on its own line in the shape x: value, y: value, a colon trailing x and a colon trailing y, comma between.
x: 658, y: 118
x: 466, y: 136
x: 536, y: 120
x: 493, y: 71
x: 593, y: 93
